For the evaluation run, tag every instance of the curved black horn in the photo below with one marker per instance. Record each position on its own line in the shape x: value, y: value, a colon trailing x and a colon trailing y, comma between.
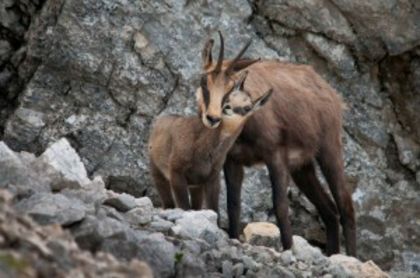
x: 206, y: 54
x: 232, y: 63
x: 218, y: 67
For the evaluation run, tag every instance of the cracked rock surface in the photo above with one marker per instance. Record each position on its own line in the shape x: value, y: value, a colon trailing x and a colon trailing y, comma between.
x: 99, y: 72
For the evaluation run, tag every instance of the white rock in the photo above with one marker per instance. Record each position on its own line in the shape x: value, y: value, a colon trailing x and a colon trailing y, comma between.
x: 306, y: 252
x: 64, y: 159
x: 199, y: 225
x: 262, y: 233
x: 122, y: 202
x: 355, y: 268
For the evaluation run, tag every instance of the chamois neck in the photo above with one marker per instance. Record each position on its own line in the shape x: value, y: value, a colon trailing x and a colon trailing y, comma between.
x: 216, y: 142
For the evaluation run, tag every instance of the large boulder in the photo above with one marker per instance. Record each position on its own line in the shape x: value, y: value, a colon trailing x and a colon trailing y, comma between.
x: 64, y: 160
x: 47, y: 208
x: 199, y: 225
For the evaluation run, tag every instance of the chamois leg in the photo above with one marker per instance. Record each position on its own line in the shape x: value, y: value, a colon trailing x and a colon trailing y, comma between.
x: 180, y: 188
x: 234, y: 174
x: 196, y: 194
x: 279, y: 178
x: 305, y: 178
x: 212, y: 190
x: 163, y: 187
x: 331, y: 162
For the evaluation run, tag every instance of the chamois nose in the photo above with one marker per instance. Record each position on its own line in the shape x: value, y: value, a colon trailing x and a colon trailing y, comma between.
x: 213, y: 120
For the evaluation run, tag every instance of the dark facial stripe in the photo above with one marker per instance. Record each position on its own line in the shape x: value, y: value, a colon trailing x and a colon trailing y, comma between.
x: 205, y: 90
x: 240, y: 111
x: 226, y: 96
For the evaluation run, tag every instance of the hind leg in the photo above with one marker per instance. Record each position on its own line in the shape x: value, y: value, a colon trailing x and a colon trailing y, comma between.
x: 305, y: 178
x: 279, y: 177
x: 163, y: 187
x: 332, y: 166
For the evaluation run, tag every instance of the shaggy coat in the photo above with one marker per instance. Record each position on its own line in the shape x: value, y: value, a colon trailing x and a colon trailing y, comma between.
x: 187, y: 156
x: 301, y: 124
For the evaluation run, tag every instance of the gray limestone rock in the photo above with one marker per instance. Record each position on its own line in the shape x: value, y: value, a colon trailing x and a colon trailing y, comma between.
x: 199, y: 225
x: 47, y: 208
x: 64, y: 160
x: 122, y: 202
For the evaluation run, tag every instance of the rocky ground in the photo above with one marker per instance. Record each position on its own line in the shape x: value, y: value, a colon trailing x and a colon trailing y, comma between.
x: 97, y: 72
x: 53, y: 191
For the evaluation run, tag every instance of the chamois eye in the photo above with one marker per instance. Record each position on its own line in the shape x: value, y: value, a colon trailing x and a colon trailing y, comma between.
x: 247, y: 109
x: 227, y: 110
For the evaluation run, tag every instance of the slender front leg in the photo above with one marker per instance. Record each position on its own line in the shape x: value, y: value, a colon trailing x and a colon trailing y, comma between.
x: 180, y: 188
x: 212, y: 190
x: 279, y: 178
x: 196, y: 194
x: 163, y: 187
x: 234, y: 174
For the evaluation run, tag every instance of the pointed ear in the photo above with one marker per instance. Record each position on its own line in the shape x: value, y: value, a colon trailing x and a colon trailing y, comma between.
x: 259, y: 102
x: 206, y: 54
x: 239, y: 85
x: 240, y: 65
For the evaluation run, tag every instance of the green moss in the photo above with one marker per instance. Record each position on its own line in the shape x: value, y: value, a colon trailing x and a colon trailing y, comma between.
x: 178, y: 257
x: 13, y: 263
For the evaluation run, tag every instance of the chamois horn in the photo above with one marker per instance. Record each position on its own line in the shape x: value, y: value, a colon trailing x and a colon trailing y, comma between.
x: 234, y: 63
x: 218, y: 67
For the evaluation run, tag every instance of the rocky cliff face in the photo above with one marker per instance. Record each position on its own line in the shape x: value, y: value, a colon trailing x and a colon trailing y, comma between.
x: 98, y: 73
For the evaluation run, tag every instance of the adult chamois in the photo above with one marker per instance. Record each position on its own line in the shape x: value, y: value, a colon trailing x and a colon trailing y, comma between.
x: 301, y: 124
x: 187, y: 156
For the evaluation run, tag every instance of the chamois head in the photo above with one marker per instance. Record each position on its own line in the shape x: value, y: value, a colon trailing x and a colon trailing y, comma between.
x: 237, y: 104
x: 217, y: 80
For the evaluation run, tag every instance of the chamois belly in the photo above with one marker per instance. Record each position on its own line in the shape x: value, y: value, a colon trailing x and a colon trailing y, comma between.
x: 250, y: 155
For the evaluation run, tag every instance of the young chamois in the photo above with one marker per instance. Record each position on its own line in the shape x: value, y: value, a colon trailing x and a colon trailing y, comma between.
x: 187, y: 156
x: 300, y: 125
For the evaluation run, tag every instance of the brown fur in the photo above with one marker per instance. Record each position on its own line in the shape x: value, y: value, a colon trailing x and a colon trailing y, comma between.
x: 301, y: 123
x: 185, y: 155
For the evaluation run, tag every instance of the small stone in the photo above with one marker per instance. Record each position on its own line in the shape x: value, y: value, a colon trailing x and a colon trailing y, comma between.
x: 355, y: 268
x: 139, y: 216
x: 227, y: 269
x: 171, y: 214
x: 287, y: 257
x: 122, y: 202
x: 93, y: 230
x: 305, y: 252
x: 162, y: 226
x: 262, y: 233
x: 140, y: 42
x: 238, y: 270
x: 276, y: 271
x: 249, y: 263
x: 200, y: 225
x: 301, y: 265
x: 144, y: 202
